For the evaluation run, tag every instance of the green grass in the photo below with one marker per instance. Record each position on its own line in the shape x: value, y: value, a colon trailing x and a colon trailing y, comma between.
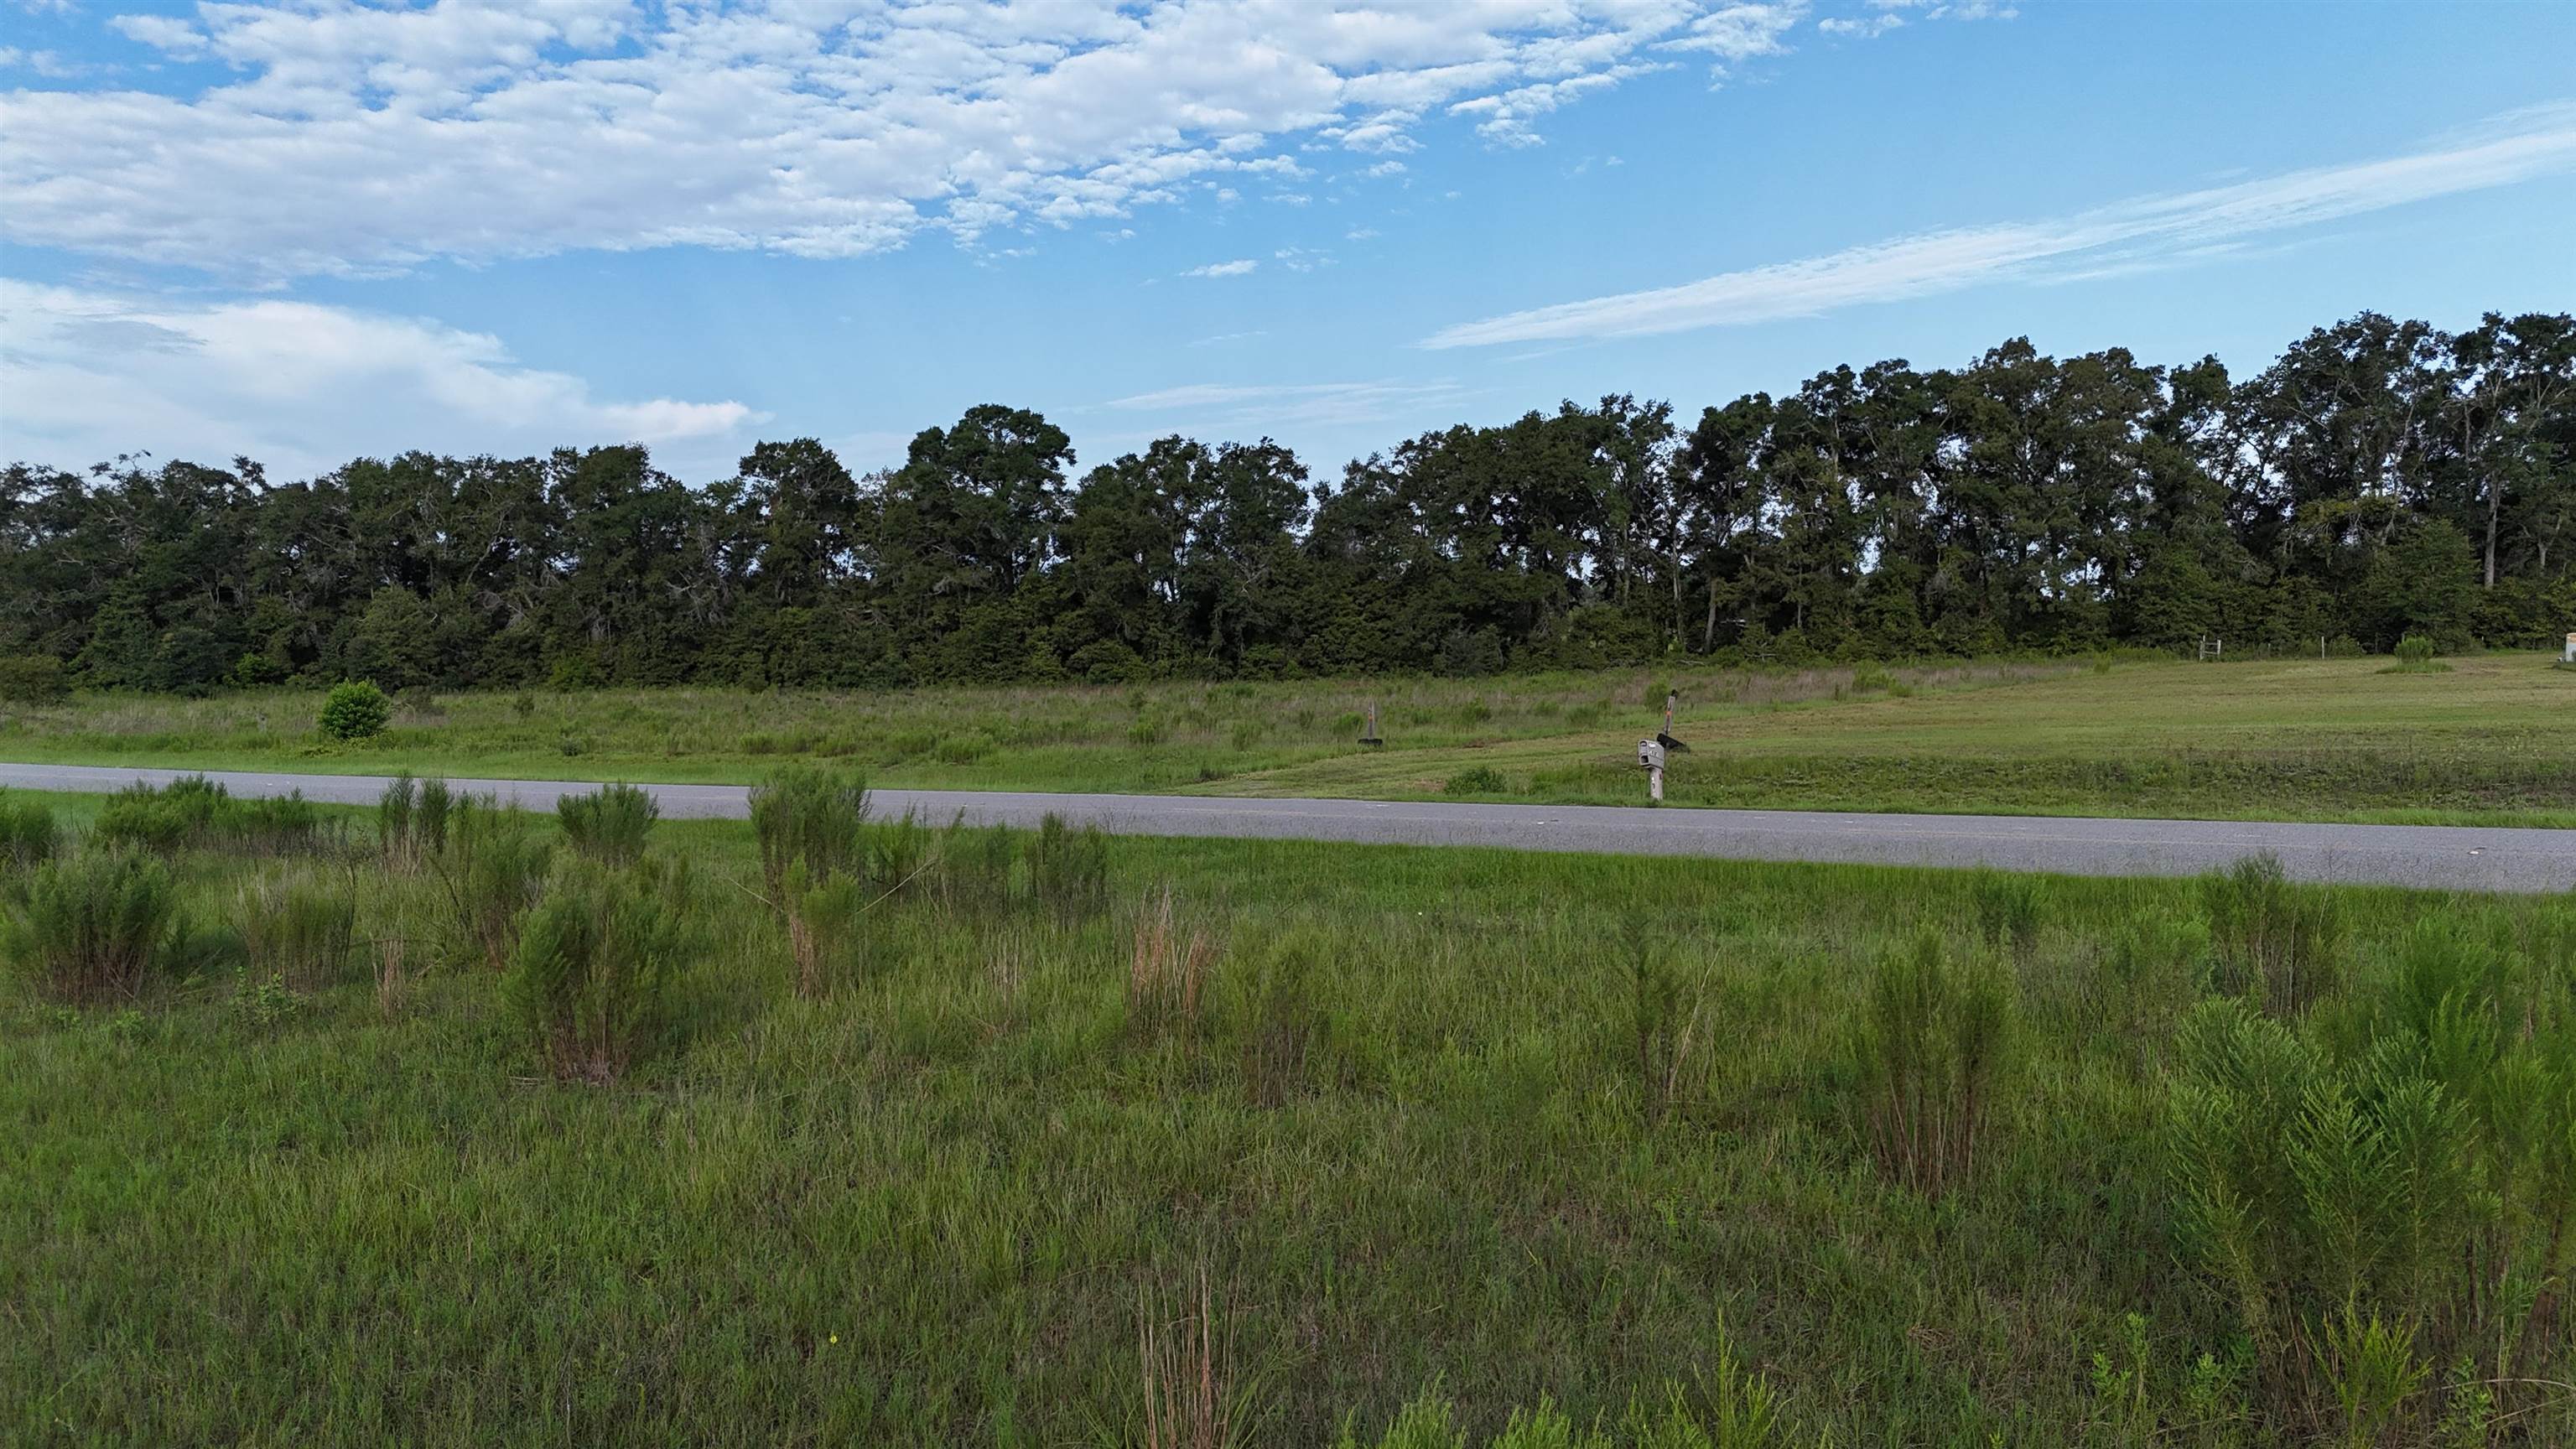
x: 2492, y: 742
x: 1509, y: 1128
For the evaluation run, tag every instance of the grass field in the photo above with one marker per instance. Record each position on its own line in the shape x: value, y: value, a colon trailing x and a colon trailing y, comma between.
x: 2491, y: 741
x: 1023, y: 1155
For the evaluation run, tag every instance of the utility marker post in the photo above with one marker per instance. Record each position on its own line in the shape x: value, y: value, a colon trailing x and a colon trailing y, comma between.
x: 1650, y: 758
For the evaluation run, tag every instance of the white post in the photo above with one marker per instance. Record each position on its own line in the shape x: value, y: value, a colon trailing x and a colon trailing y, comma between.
x: 1650, y: 758
x: 2570, y: 657
x: 1655, y: 784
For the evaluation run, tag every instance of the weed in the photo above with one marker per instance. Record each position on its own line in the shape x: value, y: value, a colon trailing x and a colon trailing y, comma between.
x: 27, y: 833
x: 1285, y: 1030
x: 595, y: 978
x: 610, y: 825
x: 96, y: 925
x: 2008, y: 911
x: 1664, y: 1024
x: 1931, y: 1044
x: 1478, y: 780
x: 2278, y: 944
x: 1068, y: 868
x: 1167, y: 970
x: 494, y: 869
x: 809, y: 817
x: 297, y: 929
x: 197, y: 813
x: 411, y: 821
x: 1185, y: 1357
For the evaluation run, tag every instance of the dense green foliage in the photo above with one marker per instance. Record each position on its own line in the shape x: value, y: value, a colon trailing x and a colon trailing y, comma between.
x: 355, y: 710
x: 2379, y: 478
x: 1279, y: 1142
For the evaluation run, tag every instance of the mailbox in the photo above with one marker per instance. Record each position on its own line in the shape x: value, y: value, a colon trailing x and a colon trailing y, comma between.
x: 1650, y: 755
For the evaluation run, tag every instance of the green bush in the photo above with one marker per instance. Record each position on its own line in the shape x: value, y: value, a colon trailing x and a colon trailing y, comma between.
x: 611, y: 825
x: 96, y: 925
x: 2368, y: 1213
x: 1477, y: 780
x: 28, y: 834
x: 354, y: 710
x: 595, y: 977
x: 195, y: 813
x: 33, y: 679
x: 810, y: 817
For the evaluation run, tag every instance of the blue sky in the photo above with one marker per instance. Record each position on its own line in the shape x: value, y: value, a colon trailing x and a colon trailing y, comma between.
x: 310, y: 230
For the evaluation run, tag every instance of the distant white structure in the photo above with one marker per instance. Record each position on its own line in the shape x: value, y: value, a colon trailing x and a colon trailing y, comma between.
x: 2570, y: 656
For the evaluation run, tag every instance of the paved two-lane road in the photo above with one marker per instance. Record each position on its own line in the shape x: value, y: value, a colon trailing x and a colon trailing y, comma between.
x: 2445, y: 857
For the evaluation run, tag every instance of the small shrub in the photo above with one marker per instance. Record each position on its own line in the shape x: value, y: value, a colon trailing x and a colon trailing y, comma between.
x: 197, y: 813
x: 417, y: 701
x: 1148, y: 732
x: 2278, y: 943
x: 1931, y: 1044
x: 1477, y: 780
x: 354, y: 710
x: 97, y: 925
x: 610, y: 825
x: 2009, y: 910
x: 1068, y: 869
x: 596, y: 973
x: 832, y: 934
x: 493, y: 871
x: 301, y: 932
x: 816, y: 818
x: 1167, y: 970
x: 33, y: 679
x: 523, y: 705
x: 973, y: 866
x: 411, y: 821
x: 28, y: 834
x: 572, y: 745
x: 1872, y: 679
x: 2415, y: 656
x: 899, y: 855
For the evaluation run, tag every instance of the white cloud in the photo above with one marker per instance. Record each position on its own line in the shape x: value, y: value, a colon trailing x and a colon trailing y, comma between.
x: 352, y: 138
x: 1270, y: 405
x: 1239, y: 267
x: 300, y: 387
x: 2517, y: 147
x: 1869, y: 29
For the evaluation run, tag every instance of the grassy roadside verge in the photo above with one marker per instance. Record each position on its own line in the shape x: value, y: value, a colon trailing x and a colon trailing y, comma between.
x: 2493, y: 741
x: 1515, y: 1127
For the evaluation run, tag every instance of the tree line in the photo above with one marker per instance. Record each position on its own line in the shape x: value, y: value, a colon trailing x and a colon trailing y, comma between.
x: 2379, y: 478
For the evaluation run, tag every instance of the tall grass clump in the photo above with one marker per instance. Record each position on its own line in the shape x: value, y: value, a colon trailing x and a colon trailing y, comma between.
x: 2277, y: 943
x: 28, y: 834
x: 96, y: 925
x: 1167, y: 969
x: 493, y: 870
x: 595, y: 980
x: 1068, y: 868
x: 1664, y: 1023
x: 1286, y: 1030
x: 411, y: 821
x: 1741, y: 1411
x: 610, y: 825
x: 1932, y: 1041
x: 302, y: 931
x: 1194, y: 1398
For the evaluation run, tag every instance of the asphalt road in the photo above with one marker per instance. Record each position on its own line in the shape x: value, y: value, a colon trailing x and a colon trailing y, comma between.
x: 2442, y: 857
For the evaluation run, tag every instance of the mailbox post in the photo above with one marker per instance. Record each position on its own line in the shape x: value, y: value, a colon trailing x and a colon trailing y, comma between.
x: 1650, y: 758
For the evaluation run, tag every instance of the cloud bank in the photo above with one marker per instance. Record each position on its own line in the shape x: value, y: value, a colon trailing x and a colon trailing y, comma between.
x: 353, y: 138
x: 2524, y: 146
